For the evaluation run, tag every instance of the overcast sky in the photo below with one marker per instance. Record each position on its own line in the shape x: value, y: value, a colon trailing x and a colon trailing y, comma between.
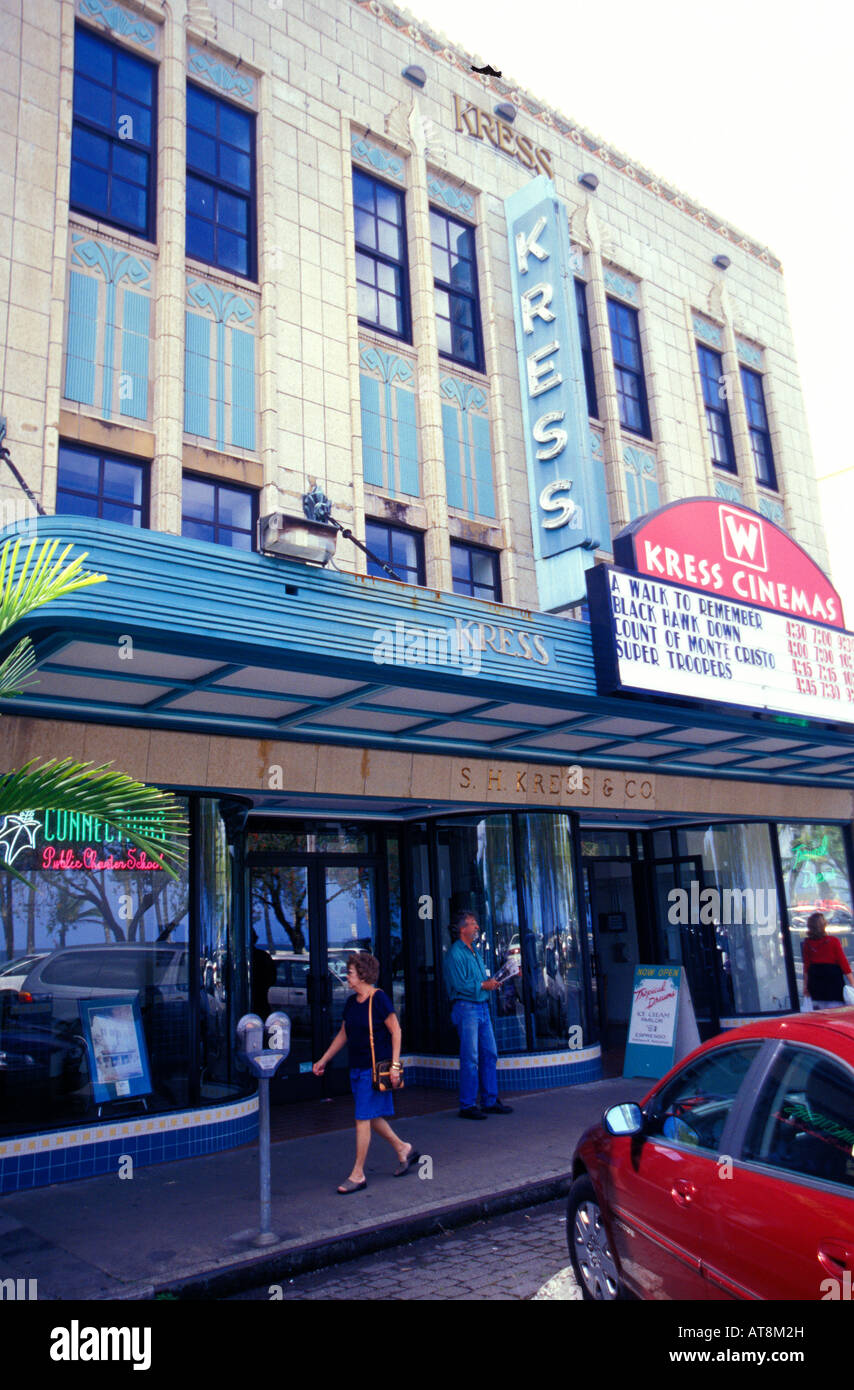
x: 746, y: 105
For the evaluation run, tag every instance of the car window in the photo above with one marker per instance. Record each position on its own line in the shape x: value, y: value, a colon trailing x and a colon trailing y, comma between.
x: 694, y: 1107
x: 804, y: 1122
x: 73, y: 968
x: 123, y: 969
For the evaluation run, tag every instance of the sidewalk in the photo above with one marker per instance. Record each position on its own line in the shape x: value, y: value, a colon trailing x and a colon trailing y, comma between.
x: 185, y: 1228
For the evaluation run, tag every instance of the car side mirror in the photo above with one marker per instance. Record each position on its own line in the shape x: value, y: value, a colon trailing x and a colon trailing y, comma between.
x: 624, y: 1119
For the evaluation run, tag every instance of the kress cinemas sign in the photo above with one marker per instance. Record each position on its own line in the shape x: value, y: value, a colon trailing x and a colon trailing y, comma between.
x: 568, y: 514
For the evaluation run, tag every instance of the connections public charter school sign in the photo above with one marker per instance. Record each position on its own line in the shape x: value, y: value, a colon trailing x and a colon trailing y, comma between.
x: 713, y: 602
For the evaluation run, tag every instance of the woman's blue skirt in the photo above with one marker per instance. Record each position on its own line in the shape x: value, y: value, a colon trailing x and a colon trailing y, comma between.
x: 370, y: 1104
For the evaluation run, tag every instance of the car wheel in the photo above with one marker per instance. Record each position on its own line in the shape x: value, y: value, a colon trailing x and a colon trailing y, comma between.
x: 589, y: 1244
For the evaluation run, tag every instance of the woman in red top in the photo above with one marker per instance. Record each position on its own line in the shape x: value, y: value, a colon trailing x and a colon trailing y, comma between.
x: 826, y: 967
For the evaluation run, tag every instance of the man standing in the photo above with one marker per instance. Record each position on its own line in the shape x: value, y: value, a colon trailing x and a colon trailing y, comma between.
x: 465, y: 981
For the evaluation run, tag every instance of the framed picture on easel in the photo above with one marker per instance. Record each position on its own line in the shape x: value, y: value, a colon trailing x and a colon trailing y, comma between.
x: 115, y: 1042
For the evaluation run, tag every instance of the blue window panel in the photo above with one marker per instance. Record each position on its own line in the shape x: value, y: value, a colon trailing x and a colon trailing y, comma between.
x: 135, y: 334
x: 407, y: 441
x: 652, y: 498
x: 453, y: 456
x: 242, y: 389
x: 633, y: 490
x: 82, y: 331
x: 372, y: 449
x: 483, y: 465
x: 197, y: 403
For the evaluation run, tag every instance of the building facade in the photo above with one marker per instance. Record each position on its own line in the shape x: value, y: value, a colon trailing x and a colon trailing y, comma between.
x: 255, y: 253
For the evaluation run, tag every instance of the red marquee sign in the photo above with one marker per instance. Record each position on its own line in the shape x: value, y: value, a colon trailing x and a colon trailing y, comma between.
x: 732, y: 552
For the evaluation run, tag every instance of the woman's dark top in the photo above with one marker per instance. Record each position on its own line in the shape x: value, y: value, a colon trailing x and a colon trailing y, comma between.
x: 358, y: 1036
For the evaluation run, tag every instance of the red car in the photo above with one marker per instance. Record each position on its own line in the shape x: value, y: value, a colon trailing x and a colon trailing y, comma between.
x: 734, y: 1179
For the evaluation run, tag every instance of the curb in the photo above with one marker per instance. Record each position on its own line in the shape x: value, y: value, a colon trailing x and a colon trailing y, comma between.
x: 272, y: 1267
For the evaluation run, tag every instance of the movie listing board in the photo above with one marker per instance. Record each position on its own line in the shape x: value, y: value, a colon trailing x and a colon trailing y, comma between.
x: 676, y: 641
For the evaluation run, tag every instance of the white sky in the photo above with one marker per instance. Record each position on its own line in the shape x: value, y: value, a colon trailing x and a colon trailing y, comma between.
x: 746, y: 105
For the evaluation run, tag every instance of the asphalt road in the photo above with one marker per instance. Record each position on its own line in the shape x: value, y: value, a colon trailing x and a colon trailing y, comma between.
x: 506, y: 1257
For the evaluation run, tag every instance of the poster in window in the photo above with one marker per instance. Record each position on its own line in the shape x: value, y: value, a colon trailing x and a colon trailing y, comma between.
x: 118, y: 1057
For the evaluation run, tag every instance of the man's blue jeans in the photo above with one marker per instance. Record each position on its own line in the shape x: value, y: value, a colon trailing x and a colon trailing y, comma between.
x: 478, y: 1053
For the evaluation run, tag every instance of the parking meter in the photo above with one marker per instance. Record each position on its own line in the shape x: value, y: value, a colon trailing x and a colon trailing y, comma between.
x: 263, y: 1062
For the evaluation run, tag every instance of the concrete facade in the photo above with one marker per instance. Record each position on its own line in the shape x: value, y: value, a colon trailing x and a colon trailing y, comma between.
x: 325, y: 85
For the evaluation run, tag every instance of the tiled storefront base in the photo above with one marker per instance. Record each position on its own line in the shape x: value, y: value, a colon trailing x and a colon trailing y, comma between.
x: 38, y: 1159
x: 526, y: 1073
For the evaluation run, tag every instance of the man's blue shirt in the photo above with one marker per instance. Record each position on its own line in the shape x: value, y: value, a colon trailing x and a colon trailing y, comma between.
x: 464, y: 974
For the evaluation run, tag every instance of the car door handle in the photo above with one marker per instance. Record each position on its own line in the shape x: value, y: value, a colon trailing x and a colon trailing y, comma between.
x: 835, y: 1257
x: 683, y: 1192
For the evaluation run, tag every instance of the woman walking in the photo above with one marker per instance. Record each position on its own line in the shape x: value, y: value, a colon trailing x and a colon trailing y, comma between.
x: 369, y: 1008
x: 826, y: 967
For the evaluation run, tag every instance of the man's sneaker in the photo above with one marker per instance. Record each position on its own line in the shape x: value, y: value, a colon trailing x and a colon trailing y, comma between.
x: 471, y: 1112
x: 499, y: 1108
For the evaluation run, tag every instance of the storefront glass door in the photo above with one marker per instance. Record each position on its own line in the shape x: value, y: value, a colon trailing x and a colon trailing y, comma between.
x: 308, y: 915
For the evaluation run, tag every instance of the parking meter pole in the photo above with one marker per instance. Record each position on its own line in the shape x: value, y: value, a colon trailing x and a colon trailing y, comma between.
x: 266, y: 1235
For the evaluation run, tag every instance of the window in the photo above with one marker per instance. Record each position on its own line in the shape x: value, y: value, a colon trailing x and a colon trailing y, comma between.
x: 220, y: 183
x: 760, y: 435
x: 694, y: 1107
x: 455, y: 279
x: 586, y: 348
x: 628, y: 368
x: 475, y: 571
x: 113, y: 135
x: 402, y: 549
x: 804, y: 1122
x: 717, y: 410
x: 91, y: 483
x: 381, y: 276
x: 219, y: 513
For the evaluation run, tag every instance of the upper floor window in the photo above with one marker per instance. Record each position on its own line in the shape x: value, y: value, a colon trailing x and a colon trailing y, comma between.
x: 586, y: 348
x: 220, y: 183
x: 381, y: 274
x: 760, y: 435
x: 92, y: 483
x: 455, y: 280
x: 218, y: 512
x: 113, y: 135
x: 628, y: 368
x: 400, y: 548
x: 717, y: 410
x: 475, y: 571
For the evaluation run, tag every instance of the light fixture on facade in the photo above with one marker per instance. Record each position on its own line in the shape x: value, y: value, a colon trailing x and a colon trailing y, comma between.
x: 722, y: 262
x: 416, y: 75
x: 589, y: 181
x: 506, y: 111
x: 297, y: 538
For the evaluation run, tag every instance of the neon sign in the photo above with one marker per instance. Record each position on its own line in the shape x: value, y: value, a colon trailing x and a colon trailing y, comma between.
x: 73, y: 840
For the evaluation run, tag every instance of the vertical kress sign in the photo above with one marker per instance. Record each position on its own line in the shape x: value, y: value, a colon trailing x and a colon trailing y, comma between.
x: 568, y: 509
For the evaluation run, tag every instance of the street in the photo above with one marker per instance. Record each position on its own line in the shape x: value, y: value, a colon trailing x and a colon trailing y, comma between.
x: 507, y: 1257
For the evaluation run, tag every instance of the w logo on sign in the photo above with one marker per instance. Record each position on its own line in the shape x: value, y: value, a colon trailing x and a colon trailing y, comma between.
x: 743, y: 538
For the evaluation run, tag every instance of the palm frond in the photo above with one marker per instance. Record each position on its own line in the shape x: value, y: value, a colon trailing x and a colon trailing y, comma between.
x: 15, y: 670
x: 125, y: 805
x: 38, y: 581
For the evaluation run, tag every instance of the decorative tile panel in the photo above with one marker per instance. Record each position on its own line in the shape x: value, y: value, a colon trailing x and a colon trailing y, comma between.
x: 771, y: 508
x: 376, y: 158
x: 748, y: 353
x: 124, y: 23
x: 620, y: 284
x: 576, y: 260
x: 451, y: 197
x: 641, y: 481
x: 596, y: 446
x: 214, y: 72
x: 389, y: 432
x: 729, y: 492
x: 220, y: 371
x: 709, y: 332
x: 108, y: 328
x: 468, y: 447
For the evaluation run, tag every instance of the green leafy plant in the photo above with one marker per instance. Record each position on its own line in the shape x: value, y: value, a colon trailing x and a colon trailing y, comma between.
x: 129, y: 807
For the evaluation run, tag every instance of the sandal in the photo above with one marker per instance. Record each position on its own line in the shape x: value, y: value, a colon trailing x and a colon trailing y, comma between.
x: 349, y: 1186
x: 406, y: 1163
